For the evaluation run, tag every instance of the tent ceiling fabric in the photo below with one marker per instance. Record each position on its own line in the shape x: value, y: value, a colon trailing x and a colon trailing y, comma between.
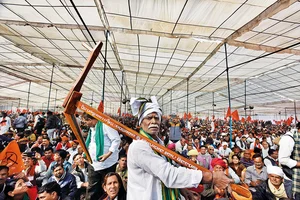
x: 174, y: 50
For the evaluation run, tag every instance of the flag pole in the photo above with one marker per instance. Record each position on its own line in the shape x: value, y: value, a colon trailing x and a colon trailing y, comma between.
x: 229, y: 100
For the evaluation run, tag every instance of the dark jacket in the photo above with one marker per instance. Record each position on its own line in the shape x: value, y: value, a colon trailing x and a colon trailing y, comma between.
x: 51, y: 122
x: 67, y: 185
x: 81, y: 192
x: 263, y: 191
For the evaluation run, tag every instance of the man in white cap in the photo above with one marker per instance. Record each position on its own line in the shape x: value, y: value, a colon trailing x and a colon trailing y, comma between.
x: 275, y: 187
x: 224, y: 151
x: 151, y: 176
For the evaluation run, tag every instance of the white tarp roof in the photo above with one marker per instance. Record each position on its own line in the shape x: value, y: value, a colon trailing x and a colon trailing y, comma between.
x: 171, y: 49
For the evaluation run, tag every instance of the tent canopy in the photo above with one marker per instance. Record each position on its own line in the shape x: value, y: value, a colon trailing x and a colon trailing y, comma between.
x: 175, y: 50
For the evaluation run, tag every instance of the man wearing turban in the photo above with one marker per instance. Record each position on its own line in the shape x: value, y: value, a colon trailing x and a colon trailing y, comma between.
x: 151, y: 176
x: 275, y: 187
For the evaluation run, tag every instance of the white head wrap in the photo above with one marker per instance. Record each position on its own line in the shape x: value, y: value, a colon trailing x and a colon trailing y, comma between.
x: 224, y: 143
x: 275, y: 170
x: 143, y: 107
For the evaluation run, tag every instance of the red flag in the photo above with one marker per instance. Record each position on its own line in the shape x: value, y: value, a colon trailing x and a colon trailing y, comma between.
x: 228, y: 114
x: 119, y: 111
x: 101, y: 107
x: 11, y: 157
x: 189, y: 116
x: 289, y: 121
x: 235, y: 116
x: 243, y: 120
x: 248, y: 119
x: 184, y: 116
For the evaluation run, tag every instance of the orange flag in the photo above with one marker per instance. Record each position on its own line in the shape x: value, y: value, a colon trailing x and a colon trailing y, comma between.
x: 243, y: 120
x: 184, y: 116
x: 228, y: 114
x: 235, y: 115
x: 101, y: 107
x: 189, y: 116
x: 119, y: 111
x: 11, y: 157
x: 249, y: 119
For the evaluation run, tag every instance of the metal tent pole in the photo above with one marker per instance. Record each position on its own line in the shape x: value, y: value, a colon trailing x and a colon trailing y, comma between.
x: 229, y: 100
x: 28, y: 95
x: 50, y: 87
x: 245, y: 108
x: 171, y: 101
x: 121, y: 93
x: 295, y: 108
x: 105, y: 62
x: 55, y: 100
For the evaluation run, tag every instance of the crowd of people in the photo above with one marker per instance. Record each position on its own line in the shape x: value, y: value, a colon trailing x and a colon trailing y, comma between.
x: 260, y: 156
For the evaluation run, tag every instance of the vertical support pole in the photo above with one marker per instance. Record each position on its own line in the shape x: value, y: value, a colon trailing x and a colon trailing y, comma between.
x: 28, y: 95
x: 295, y: 108
x: 213, y: 94
x: 105, y: 62
x: 245, y: 108
x: 92, y: 100
x: 229, y: 100
x: 285, y: 113
x: 171, y: 101
x: 195, y: 107
x: 50, y: 87
x: 121, y: 93
x: 19, y: 103
x: 55, y: 100
x: 187, y: 96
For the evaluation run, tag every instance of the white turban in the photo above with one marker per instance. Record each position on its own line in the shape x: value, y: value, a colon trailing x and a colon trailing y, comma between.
x: 275, y: 170
x: 143, y: 107
x: 224, y: 143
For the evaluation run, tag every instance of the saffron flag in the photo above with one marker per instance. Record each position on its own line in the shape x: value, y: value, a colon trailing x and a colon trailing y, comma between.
x: 184, y: 116
x: 101, y: 107
x: 235, y: 115
x: 228, y: 114
x: 249, y: 119
x: 119, y: 111
x: 243, y: 120
x: 189, y: 116
x: 11, y: 157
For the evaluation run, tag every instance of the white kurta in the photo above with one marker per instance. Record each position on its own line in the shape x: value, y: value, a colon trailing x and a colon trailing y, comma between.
x: 146, y: 170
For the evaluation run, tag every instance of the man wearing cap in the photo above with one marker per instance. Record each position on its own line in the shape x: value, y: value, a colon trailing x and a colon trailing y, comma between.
x: 275, y: 187
x: 224, y: 151
x: 150, y: 174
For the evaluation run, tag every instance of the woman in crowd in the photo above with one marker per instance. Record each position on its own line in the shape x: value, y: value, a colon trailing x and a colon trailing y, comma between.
x: 113, y: 187
x: 238, y: 167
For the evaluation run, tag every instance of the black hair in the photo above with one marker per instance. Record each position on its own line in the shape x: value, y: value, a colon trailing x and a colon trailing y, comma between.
x: 50, y: 187
x: 77, y: 154
x: 271, y: 151
x: 57, y: 165
x: 62, y: 153
x: 48, y: 149
x: 122, y: 156
x: 4, y: 167
x: 257, y: 155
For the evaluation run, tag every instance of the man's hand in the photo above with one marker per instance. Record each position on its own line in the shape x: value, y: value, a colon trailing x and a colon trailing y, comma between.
x: 104, y: 156
x: 85, y: 184
x: 220, y: 180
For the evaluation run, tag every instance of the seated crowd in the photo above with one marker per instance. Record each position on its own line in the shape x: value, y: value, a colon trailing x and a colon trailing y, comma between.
x: 56, y: 167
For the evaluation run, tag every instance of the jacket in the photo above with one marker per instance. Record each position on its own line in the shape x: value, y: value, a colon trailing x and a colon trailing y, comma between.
x: 67, y: 185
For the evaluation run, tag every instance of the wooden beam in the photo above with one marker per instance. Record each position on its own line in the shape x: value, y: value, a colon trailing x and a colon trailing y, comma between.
x: 265, y: 48
x: 275, y: 8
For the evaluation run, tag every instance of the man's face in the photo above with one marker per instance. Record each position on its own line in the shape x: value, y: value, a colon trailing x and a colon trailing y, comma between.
x: 275, y: 179
x: 265, y: 145
x: 275, y: 155
x: 57, y: 158
x: 48, y: 196
x: 45, y: 142
x: 123, y: 163
x: 40, y: 139
x: 203, y: 150
x: 58, y: 172
x: 27, y: 161
x: 247, y: 154
x: 79, y: 160
x: 3, y: 176
x: 151, y: 124
x: 48, y: 154
x: 258, y: 163
x: 90, y: 122
x: 74, y: 145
